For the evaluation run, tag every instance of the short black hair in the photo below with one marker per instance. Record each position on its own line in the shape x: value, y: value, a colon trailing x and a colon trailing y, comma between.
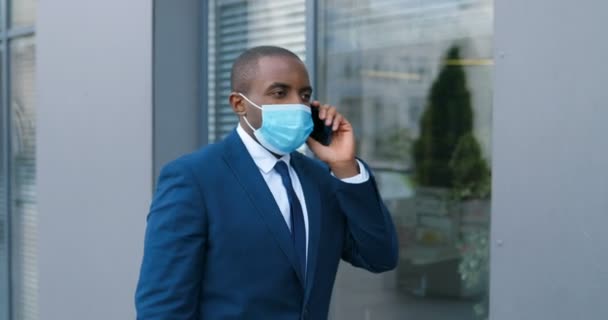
x: 245, y: 66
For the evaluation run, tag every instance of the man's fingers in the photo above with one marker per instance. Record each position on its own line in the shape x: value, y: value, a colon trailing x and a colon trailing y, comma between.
x: 322, y: 112
x: 330, y: 115
x: 337, y: 121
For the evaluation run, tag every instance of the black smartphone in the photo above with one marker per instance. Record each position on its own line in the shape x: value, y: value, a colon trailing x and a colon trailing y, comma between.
x: 321, y: 132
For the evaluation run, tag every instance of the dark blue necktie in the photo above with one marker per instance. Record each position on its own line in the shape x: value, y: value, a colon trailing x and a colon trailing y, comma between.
x: 298, y: 230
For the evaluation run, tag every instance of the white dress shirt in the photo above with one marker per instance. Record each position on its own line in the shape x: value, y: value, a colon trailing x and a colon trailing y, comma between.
x: 265, y: 161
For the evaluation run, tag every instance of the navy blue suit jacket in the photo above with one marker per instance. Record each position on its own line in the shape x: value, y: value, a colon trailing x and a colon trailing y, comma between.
x: 217, y: 246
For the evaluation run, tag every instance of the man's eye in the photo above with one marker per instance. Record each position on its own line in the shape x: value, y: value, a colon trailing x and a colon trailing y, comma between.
x: 306, y: 96
x: 279, y: 94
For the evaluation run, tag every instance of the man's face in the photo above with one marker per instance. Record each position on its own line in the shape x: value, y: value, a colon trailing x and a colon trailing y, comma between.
x: 278, y: 80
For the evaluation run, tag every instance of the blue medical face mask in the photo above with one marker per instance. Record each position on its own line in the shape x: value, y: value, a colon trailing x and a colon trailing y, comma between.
x: 285, y: 127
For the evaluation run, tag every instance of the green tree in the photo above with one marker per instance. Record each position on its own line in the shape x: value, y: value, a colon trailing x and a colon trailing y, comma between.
x: 448, y: 117
x: 448, y: 155
x: 470, y: 172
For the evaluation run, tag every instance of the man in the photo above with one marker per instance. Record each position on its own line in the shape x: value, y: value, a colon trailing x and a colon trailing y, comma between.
x: 250, y: 229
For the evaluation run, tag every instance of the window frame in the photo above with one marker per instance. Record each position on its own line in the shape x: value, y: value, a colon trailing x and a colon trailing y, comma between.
x: 7, y: 35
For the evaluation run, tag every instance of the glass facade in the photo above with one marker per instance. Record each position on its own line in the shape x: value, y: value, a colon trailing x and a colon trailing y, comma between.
x: 22, y: 13
x: 24, y: 213
x: 415, y: 80
x: 18, y: 213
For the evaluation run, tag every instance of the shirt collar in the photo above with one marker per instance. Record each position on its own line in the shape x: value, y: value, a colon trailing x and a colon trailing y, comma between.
x: 262, y: 157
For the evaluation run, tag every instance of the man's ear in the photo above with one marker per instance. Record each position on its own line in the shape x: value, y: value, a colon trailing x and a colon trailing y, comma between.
x: 238, y: 104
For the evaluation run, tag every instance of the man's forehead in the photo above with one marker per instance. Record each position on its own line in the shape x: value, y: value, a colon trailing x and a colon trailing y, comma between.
x: 282, y: 69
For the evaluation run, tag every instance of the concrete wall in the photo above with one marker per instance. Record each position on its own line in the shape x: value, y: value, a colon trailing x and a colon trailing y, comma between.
x: 550, y: 192
x: 94, y: 104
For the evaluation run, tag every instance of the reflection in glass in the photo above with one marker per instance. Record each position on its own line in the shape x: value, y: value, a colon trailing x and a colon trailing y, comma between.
x: 22, y: 13
x: 24, y: 215
x: 414, y: 79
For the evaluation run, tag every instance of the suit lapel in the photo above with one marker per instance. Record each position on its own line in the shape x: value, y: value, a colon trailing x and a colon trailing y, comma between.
x: 313, y: 207
x: 248, y: 174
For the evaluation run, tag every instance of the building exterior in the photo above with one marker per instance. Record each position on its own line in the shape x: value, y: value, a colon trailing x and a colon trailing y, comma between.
x: 481, y: 120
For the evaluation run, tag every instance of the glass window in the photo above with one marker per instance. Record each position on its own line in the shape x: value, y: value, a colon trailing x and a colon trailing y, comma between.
x: 22, y: 13
x: 235, y: 26
x: 24, y: 214
x: 415, y: 79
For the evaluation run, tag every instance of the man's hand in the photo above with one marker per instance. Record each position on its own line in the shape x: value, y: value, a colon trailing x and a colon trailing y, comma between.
x: 340, y: 154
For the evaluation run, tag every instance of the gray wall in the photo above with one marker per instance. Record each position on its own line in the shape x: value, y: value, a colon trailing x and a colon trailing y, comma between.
x: 94, y: 106
x: 550, y: 196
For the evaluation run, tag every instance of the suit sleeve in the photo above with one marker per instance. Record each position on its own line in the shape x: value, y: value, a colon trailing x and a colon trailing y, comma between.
x: 370, y: 237
x: 174, y: 248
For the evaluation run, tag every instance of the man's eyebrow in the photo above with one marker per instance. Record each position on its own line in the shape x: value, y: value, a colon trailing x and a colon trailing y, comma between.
x: 307, y: 88
x: 278, y: 85
x: 281, y: 85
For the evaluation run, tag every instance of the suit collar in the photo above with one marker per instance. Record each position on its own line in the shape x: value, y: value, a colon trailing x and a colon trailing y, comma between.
x: 249, y: 177
x: 245, y: 168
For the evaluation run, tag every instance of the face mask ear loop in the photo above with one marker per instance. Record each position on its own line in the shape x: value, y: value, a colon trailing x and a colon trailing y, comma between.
x: 253, y: 104
x: 249, y: 124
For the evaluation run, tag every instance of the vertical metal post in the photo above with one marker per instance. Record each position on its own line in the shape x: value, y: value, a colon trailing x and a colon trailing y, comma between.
x: 312, y: 31
x: 6, y: 145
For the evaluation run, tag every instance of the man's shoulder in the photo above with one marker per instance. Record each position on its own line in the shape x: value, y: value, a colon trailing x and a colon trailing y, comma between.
x: 205, y: 158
